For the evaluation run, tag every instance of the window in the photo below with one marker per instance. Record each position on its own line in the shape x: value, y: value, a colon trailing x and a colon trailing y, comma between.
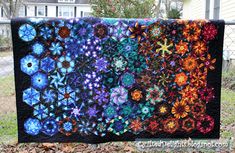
x: 207, y: 14
x: 216, y: 9
x: 66, y: 11
x: 86, y: 14
x: 22, y: 11
x: 41, y: 11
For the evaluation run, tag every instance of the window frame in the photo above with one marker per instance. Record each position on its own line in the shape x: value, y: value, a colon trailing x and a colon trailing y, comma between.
x: 62, y: 10
x: 41, y: 7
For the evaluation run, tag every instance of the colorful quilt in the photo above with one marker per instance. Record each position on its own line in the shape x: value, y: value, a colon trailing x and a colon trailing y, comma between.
x: 96, y: 80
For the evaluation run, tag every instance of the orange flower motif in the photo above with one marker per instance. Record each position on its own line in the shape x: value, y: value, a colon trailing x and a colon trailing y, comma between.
x: 180, y: 109
x: 138, y: 31
x: 198, y: 78
x: 136, y: 125
x: 208, y: 63
x: 190, y: 63
x: 136, y: 95
x: 170, y: 125
x: 181, y: 78
x: 200, y: 47
x: 192, y: 31
x: 189, y: 94
x: 181, y: 47
x: 64, y: 32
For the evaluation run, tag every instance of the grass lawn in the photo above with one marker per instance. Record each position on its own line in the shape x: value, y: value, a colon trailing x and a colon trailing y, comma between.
x: 7, y: 86
x: 8, y: 128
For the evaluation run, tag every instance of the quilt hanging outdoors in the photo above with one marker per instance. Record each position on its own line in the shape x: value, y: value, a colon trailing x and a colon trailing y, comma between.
x: 99, y: 79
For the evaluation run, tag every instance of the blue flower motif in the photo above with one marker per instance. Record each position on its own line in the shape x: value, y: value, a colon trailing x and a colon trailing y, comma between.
x: 74, y: 80
x: 57, y: 80
x: 65, y: 64
x: 47, y: 64
x: 66, y: 96
x: 38, y: 49
x: 85, y: 127
x: 49, y: 95
x: 82, y: 30
x: 56, y: 48
x: 31, y: 96
x: 45, y: 32
x: 39, y: 80
x: 68, y: 126
x: 32, y: 126
x: 73, y: 48
x: 50, y: 127
x: 29, y: 64
x: 27, y: 32
x: 40, y: 111
x: 127, y: 79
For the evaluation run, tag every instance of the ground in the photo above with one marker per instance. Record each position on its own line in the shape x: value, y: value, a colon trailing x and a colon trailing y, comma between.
x: 8, y: 123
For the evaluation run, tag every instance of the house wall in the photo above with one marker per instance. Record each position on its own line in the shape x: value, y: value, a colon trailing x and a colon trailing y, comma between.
x: 194, y: 9
x: 227, y: 10
x: 51, y: 11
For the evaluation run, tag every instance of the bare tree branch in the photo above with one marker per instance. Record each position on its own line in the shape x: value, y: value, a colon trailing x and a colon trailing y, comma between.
x: 11, y: 7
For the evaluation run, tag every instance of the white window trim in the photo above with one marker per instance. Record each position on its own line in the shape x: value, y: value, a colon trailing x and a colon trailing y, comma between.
x: 66, y: 1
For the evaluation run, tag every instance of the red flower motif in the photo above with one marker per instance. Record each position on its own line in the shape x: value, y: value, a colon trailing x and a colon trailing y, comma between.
x: 152, y: 125
x: 207, y: 94
x: 136, y: 126
x: 209, y: 32
x: 198, y: 109
x: 205, y: 124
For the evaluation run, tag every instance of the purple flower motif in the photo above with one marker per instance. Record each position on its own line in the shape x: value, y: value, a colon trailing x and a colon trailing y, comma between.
x: 92, y: 81
x: 76, y: 111
x: 102, y: 96
x: 119, y: 31
x: 101, y: 64
x: 118, y: 95
x: 91, y: 47
x: 92, y: 111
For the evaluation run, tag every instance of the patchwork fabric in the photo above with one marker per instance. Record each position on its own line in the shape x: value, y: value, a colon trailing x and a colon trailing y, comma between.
x: 97, y: 79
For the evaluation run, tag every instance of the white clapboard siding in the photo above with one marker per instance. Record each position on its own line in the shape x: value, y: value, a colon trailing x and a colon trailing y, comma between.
x: 194, y: 9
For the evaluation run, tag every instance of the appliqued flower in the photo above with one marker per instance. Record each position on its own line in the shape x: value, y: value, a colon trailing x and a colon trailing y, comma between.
x: 118, y: 95
x: 180, y: 109
x: 154, y: 94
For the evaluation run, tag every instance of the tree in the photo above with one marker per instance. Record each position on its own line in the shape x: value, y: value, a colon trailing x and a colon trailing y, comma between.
x: 173, y: 8
x: 11, y: 7
x: 173, y: 14
x: 125, y: 8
